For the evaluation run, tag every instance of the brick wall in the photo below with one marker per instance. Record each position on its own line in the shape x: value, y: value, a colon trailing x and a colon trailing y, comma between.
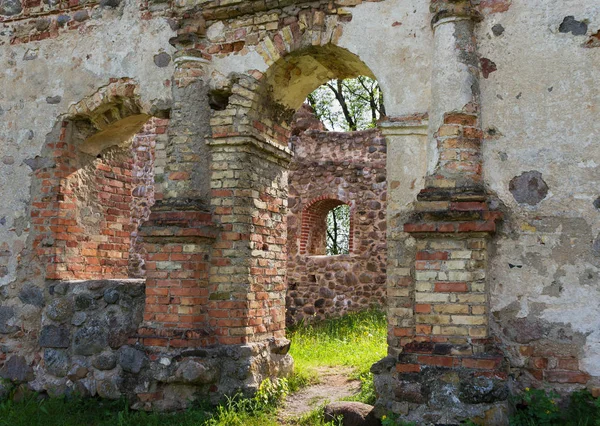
x: 89, y: 207
x: 330, y: 169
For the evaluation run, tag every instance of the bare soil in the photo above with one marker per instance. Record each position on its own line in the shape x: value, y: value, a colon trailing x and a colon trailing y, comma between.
x: 333, y: 386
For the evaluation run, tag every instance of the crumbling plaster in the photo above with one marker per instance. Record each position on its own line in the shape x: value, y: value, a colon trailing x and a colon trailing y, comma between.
x: 67, y: 68
x: 542, y: 107
x: 398, y: 70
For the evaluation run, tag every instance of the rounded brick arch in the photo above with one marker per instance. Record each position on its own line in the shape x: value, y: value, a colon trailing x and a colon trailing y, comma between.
x: 313, y: 230
x: 96, y: 186
x: 300, y: 57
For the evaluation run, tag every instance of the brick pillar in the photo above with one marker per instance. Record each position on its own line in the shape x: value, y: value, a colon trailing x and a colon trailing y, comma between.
x: 445, y: 362
x: 247, y: 274
x: 180, y: 232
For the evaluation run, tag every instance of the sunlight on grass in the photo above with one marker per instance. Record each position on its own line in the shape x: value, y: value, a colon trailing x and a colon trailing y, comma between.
x: 356, y: 340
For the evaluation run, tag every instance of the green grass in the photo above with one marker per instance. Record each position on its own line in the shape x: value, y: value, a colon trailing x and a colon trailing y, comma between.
x: 355, y: 340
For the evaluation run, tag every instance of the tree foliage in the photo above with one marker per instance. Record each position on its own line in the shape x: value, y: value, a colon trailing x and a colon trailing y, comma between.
x: 338, y: 230
x: 348, y: 105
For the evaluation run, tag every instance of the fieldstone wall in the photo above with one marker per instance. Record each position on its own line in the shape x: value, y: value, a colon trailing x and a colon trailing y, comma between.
x: 87, y: 347
x: 330, y: 169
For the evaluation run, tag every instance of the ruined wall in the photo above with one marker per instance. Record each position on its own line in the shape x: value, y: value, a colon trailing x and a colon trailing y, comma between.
x: 541, y: 159
x: 346, y: 168
x: 498, y: 99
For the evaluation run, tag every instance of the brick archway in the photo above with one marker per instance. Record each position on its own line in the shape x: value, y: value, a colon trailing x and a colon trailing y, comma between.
x: 96, y: 187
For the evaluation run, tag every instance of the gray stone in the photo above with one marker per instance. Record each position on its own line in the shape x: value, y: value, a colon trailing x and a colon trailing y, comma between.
x: 280, y: 346
x: 84, y: 302
x: 131, y: 359
x: 6, y: 314
x: 410, y: 392
x: 17, y: 370
x: 90, y: 339
x: 354, y: 413
x: 111, y: 296
x: 108, y: 388
x: 62, y: 20
x: 573, y: 26
x: 32, y: 295
x: 10, y: 7
x: 53, y: 336
x: 480, y: 390
x: 42, y: 24
x: 60, y: 309
x: 528, y: 188
x: 60, y: 289
x: 77, y: 372
x: 38, y: 162
x: 498, y: 30
x: 110, y: 3
x: 81, y: 15
x: 192, y: 371
x: 596, y: 246
x: 78, y: 318
x: 56, y: 361
x: 53, y: 100
x: 105, y: 361
x: 162, y: 59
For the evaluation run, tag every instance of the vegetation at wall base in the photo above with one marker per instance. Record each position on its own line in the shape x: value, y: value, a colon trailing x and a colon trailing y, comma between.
x: 536, y: 407
x: 356, y: 340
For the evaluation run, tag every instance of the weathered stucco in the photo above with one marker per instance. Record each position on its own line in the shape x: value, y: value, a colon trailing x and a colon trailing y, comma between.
x: 40, y: 80
x: 542, y: 105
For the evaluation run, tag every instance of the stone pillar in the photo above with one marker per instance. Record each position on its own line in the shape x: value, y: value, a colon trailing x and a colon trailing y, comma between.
x: 447, y: 368
x: 454, y: 163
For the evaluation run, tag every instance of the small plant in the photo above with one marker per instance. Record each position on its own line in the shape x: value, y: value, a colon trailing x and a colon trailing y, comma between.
x: 536, y: 407
x: 392, y: 419
x: 271, y: 393
x: 584, y: 409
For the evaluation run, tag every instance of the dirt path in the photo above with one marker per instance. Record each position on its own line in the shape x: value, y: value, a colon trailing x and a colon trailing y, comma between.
x: 334, y: 385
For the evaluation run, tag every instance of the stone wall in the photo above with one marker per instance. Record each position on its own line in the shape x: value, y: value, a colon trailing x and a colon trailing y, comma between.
x: 330, y: 169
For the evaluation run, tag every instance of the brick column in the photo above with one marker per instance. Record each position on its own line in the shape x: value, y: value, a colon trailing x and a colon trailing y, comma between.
x: 446, y: 364
x: 247, y: 274
x: 180, y: 233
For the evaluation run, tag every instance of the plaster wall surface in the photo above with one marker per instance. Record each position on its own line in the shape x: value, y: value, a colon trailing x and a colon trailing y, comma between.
x: 41, y: 79
x: 539, y: 111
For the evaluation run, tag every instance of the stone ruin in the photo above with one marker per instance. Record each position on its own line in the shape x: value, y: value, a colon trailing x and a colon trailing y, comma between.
x: 330, y: 169
x: 144, y: 167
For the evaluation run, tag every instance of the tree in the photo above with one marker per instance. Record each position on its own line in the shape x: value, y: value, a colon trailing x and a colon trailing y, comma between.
x: 348, y: 105
x: 338, y: 230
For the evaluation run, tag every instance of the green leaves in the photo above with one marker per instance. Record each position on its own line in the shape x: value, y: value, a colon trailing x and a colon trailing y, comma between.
x: 538, y: 407
x: 348, y: 105
x: 338, y: 230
